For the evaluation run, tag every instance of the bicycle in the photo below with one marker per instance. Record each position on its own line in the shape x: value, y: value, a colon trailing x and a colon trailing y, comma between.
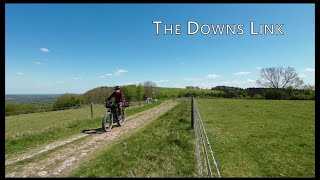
x: 112, y: 116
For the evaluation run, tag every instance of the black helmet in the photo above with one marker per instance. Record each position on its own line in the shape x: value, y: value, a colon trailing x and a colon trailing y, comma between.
x: 116, y: 87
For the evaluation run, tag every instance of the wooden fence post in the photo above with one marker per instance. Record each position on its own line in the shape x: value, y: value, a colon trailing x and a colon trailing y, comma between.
x: 91, y: 110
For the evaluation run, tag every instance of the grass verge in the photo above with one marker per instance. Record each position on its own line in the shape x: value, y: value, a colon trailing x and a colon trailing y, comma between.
x: 164, y: 148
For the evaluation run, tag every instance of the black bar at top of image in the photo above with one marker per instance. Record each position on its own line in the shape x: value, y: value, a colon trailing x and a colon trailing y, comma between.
x: 157, y: 2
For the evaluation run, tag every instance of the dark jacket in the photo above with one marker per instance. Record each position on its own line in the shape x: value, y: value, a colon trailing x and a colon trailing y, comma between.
x: 118, y: 97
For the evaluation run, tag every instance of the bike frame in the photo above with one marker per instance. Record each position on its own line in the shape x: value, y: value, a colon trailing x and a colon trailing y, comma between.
x: 113, y: 111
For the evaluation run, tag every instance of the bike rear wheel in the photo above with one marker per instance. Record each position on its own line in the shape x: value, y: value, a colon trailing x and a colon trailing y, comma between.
x: 121, y: 119
x: 107, y: 122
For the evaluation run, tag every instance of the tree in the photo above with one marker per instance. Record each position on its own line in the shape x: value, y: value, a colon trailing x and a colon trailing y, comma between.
x: 149, y: 87
x: 139, y: 93
x: 129, y: 92
x: 279, y: 78
x: 68, y: 100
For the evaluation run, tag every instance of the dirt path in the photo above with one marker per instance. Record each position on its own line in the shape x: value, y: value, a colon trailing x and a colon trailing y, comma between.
x: 58, y: 143
x: 67, y: 158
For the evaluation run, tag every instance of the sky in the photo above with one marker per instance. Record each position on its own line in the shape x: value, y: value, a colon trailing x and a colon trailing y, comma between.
x: 72, y: 48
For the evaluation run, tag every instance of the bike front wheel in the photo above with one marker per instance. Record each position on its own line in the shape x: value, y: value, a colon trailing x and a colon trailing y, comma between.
x: 107, y: 122
x: 122, y: 118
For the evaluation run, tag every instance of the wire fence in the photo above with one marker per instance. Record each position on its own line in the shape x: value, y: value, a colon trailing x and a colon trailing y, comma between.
x: 206, y: 163
x: 40, y: 110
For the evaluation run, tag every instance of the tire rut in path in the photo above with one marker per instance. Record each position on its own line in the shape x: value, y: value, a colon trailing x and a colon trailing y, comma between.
x: 64, y: 160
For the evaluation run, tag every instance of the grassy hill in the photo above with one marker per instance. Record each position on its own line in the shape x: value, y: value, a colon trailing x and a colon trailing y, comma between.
x: 99, y: 94
x: 182, y: 92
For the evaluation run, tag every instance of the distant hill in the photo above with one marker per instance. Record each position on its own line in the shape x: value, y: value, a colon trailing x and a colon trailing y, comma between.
x: 99, y: 94
x: 182, y: 92
x: 40, y: 99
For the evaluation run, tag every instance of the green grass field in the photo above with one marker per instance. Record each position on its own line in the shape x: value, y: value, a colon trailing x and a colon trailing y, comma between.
x: 174, y: 92
x: 261, y: 138
x: 28, y: 131
x: 250, y: 138
x: 164, y: 148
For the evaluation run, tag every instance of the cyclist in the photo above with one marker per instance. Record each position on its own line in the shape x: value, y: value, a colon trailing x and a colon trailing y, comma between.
x: 118, y: 97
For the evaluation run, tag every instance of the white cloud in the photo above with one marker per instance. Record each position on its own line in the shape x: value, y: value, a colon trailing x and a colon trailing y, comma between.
x: 120, y: 71
x: 59, y: 82
x: 209, y: 84
x: 37, y: 62
x: 258, y: 68
x: 201, y: 84
x: 213, y: 76
x: 105, y: 76
x: 241, y: 73
x: 161, y: 81
x: 242, y: 84
x: 192, y: 79
x: 128, y: 83
x: 76, y: 78
x: 309, y: 70
x: 230, y: 82
x: 306, y: 72
x: 302, y: 75
x: 44, y: 49
x: 20, y: 73
x: 251, y: 80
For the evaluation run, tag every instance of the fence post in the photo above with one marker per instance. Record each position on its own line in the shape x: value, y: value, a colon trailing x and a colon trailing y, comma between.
x: 192, y: 112
x: 91, y: 110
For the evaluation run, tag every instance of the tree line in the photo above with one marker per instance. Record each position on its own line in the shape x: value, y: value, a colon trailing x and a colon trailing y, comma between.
x: 275, y: 82
x: 307, y: 92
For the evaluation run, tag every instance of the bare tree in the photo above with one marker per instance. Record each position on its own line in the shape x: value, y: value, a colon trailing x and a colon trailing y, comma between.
x: 149, y: 88
x: 279, y: 78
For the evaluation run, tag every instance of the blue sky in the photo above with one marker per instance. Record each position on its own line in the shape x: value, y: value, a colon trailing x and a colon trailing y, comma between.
x: 59, y: 48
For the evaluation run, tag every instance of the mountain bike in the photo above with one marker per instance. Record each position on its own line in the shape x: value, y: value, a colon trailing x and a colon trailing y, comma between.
x: 112, y: 116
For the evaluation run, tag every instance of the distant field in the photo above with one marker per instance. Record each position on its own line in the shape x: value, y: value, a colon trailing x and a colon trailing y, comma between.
x: 261, y: 138
x: 31, y: 98
x: 176, y: 91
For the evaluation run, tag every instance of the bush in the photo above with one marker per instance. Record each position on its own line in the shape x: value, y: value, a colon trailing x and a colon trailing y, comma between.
x: 68, y: 100
x: 271, y: 94
x: 230, y: 94
x: 257, y: 96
